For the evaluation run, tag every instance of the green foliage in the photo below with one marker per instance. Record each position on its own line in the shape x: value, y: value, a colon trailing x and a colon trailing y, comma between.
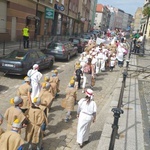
x: 146, y: 11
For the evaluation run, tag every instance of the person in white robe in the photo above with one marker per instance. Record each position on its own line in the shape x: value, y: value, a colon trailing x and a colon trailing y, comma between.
x: 35, y: 77
x: 120, y: 54
x: 86, y: 114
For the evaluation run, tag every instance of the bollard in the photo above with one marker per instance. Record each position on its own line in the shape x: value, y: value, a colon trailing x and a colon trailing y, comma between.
x: 124, y: 77
x: 127, y: 64
x: 4, y: 48
x: 114, y: 135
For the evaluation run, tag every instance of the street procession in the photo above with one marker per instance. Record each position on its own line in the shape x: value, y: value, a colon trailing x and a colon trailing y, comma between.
x: 30, y: 107
x: 74, y: 74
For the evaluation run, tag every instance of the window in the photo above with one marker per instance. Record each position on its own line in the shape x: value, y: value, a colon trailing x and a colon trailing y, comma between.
x: 51, y: 1
x: 62, y: 2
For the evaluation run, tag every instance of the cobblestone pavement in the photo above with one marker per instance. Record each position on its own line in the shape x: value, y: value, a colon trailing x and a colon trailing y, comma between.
x: 61, y: 135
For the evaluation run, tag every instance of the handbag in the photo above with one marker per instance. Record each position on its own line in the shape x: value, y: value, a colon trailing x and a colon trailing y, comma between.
x: 63, y: 103
x: 92, y: 81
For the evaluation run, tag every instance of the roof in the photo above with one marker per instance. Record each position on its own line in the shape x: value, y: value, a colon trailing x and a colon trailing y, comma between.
x: 99, y: 8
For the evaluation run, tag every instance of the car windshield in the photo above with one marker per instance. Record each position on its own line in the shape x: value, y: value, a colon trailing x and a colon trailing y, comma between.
x: 54, y: 46
x: 17, y: 55
x: 75, y: 41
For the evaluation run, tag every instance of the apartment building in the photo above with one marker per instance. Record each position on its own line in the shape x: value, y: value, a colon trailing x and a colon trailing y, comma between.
x: 145, y: 21
x: 102, y: 17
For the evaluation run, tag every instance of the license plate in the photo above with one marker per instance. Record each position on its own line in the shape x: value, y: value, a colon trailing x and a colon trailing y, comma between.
x: 8, y: 65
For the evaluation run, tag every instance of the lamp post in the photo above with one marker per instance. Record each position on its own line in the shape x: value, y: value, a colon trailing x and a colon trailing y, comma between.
x: 36, y: 20
x: 78, y: 22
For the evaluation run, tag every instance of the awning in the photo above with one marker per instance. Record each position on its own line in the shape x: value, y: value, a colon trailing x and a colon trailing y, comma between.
x: 32, y: 17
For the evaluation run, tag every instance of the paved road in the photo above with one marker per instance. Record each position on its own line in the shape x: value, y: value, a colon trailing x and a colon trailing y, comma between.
x: 61, y: 135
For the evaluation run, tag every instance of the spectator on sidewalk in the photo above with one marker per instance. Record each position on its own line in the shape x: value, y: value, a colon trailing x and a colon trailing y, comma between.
x: 25, y: 32
x: 86, y: 114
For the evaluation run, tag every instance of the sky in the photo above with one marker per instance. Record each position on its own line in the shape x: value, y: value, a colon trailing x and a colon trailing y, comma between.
x: 128, y: 6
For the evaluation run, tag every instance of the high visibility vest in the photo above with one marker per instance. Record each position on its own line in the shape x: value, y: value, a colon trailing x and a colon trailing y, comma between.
x: 25, y: 32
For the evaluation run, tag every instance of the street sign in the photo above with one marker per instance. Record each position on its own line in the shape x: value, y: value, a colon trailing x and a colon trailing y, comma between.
x: 49, y: 13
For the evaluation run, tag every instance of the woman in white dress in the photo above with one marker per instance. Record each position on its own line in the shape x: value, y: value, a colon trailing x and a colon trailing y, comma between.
x: 86, y: 114
x: 35, y: 77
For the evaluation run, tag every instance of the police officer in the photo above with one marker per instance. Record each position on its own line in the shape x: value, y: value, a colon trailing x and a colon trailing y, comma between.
x: 25, y: 32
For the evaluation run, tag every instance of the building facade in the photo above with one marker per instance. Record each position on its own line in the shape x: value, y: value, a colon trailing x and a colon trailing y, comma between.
x: 102, y: 17
x: 43, y: 17
x: 145, y: 21
x: 137, y: 19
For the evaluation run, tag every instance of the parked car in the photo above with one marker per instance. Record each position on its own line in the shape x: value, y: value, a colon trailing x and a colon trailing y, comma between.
x: 20, y: 61
x: 78, y: 42
x: 61, y: 50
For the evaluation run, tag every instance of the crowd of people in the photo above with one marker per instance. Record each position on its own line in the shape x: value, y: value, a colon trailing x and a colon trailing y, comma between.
x: 32, y: 103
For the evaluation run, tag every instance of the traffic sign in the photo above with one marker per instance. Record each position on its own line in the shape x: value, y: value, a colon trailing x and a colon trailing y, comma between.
x: 49, y: 13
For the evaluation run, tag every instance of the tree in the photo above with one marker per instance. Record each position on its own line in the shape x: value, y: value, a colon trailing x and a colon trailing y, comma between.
x: 146, y: 13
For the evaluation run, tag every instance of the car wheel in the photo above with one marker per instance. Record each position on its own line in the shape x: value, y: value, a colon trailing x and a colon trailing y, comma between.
x: 68, y: 57
x: 50, y: 65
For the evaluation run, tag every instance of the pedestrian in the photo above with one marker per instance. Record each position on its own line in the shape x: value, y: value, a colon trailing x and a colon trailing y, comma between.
x: 88, y: 73
x: 35, y: 77
x: 24, y: 91
x: 25, y: 32
x: 46, y: 98
x: 15, y: 111
x: 12, y: 140
x: 1, y: 121
x: 120, y: 54
x: 37, y: 123
x: 70, y: 99
x: 54, y: 81
x: 78, y: 73
x: 112, y: 62
x: 86, y: 114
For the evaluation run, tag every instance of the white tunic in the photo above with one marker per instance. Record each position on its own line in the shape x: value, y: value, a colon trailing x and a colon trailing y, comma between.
x: 86, y: 111
x: 35, y: 77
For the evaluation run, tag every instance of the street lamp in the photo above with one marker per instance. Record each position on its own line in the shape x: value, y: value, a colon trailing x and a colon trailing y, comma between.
x: 36, y: 20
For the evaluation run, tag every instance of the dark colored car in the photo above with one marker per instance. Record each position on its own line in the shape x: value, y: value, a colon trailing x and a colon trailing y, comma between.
x: 78, y: 42
x: 20, y: 61
x: 61, y: 50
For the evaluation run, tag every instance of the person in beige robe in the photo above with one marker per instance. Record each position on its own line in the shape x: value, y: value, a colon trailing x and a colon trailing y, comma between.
x: 11, y: 140
x: 34, y: 129
x: 55, y: 82
x: 24, y: 91
x: 70, y: 99
x: 1, y: 121
x: 47, y: 79
x: 46, y: 98
x: 14, y: 112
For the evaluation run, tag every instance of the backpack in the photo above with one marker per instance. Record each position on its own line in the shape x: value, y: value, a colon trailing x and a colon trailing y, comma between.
x: 87, y: 69
x: 78, y: 72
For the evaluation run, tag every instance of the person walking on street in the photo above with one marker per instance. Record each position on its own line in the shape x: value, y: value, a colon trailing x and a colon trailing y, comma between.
x: 88, y: 73
x: 86, y: 114
x: 12, y: 140
x: 70, y: 99
x: 24, y: 91
x: 15, y: 111
x: 35, y: 77
x: 25, y: 32
x: 37, y: 123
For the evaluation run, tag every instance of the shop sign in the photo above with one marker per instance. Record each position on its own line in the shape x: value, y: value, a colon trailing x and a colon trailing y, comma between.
x: 61, y: 7
x: 49, y: 13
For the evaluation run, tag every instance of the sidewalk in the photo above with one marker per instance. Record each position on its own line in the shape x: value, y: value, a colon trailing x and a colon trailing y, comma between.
x: 131, y: 129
